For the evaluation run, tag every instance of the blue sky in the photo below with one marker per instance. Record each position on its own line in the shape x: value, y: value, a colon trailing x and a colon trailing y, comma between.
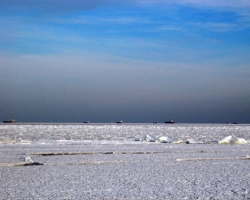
x: 139, y: 61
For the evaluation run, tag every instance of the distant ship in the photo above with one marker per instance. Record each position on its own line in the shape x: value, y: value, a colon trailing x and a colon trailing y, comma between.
x: 11, y: 121
x: 86, y: 122
x: 170, y: 122
x: 120, y: 122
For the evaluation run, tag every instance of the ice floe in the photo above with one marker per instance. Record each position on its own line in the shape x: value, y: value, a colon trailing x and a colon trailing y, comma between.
x: 231, y: 140
x: 226, y: 140
x: 239, y: 141
x: 178, y: 142
x: 164, y: 139
x: 27, y: 162
x: 150, y: 138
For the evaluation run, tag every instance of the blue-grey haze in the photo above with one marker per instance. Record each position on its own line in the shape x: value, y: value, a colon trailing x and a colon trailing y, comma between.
x: 139, y: 61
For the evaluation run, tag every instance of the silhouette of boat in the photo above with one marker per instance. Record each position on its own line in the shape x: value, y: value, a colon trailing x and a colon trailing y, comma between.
x: 86, y: 122
x: 120, y: 122
x: 10, y: 121
x: 170, y: 122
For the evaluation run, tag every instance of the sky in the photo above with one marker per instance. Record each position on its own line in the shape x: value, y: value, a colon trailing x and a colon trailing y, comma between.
x: 136, y: 61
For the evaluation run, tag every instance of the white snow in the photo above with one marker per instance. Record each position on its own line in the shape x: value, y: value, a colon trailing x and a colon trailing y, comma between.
x: 76, y: 161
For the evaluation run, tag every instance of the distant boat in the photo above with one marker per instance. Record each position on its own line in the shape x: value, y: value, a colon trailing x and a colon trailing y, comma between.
x: 236, y: 122
x: 120, y: 122
x: 170, y: 122
x: 11, y: 121
x: 86, y: 122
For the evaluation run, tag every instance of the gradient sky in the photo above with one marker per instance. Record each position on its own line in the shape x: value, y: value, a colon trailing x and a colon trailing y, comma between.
x: 136, y: 61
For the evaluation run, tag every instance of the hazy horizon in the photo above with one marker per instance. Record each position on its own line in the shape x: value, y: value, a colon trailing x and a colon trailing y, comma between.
x: 136, y: 61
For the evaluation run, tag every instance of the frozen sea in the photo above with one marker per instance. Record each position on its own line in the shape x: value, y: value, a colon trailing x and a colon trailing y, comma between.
x: 117, y: 161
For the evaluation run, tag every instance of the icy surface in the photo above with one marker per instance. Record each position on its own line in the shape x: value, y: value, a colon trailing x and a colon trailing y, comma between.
x: 108, y: 162
x: 119, y: 132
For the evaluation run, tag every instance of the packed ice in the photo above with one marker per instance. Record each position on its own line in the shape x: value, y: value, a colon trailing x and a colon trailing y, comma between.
x: 128, y: 133
x: 124, y: 161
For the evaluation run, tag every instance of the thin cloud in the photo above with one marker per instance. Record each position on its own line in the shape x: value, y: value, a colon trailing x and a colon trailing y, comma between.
x: 55, y: 6
x: 202, y: 3
x: 97, y: 20
x: 218, y: 27
x: 59, y: 6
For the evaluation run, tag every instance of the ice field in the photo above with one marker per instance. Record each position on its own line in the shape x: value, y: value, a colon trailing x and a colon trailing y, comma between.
x: 124, y: 161
x: 32, y: 133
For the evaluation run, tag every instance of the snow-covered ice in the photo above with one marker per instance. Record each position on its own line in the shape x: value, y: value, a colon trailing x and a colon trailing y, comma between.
x: 76, y: 161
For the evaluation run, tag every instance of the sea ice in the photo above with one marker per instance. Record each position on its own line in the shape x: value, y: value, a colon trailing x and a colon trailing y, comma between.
x: 226, y: 140
x: 191, y: 141
x: 150, y: 138
x: 231, y: 140
x: 77, y: 161
x: 178, y: 142
x: 163, y: 139
x: 239, y: 141
x: 28, y: 160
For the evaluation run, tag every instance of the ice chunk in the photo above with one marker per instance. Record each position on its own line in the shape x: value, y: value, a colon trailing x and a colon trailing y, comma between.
x: 230, y: 140
x: 226, y: 140
x: 239, y: 141
x: 163, y: 139
x: 28, y: 160
x: 178, y: 142
x: 150, y: 138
